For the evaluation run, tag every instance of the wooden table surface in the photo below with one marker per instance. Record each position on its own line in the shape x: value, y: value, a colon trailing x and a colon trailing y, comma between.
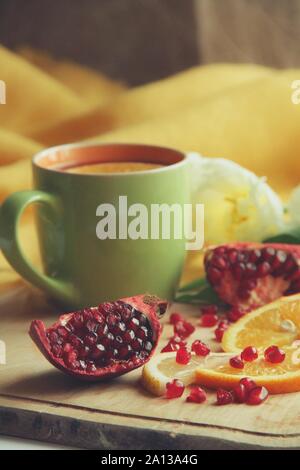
x: 39, y: 402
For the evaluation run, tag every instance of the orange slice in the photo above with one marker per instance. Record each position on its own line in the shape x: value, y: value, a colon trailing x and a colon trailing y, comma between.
x: 163, y: 368
x: 277, y: 378
x: 275, y: 323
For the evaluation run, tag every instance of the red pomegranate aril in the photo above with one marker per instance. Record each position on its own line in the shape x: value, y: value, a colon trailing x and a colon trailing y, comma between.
x: 137, y: 344
x: 142, y: 333
x: 200, y: 348
x: 77, y: 321
x: 134, y: 323
x: 174, y: 344
x: 57, y: 350
x: 75, y: 341
x: 174, y: 389
x: 90, y: 339
x: 98, y: 351
x: 257, y: 395
x: 91, y: 326
x: 219, y: 262
x: 249, y: 384
x: 90, y: 367
x: 53, y: 337
x: 254, y: 256
x: 129, y: 336
x: 112, y: 319
x: 249, y: 354
x: 148, y: 346
x: 268, y: 253
x: 183, y: 329
x: 236, y: 362
x: 124, y: 351
x: 209, y: 310
x: 67, y: 347
x: 214, y: 275
x: 232, y: 256
x: 209, y: 320
x: 224, y: 397
x: 274, y: 354
x: 63, y: 332
x: 175, y: 317
x: 219, y: 333
x: 263, y: 269
x: 197, y: 395
x: 235, y: 314
x: 183, y: 356
x: 70, y: 359
x: 83, y: 352
x: 238, y: 271
x: 240, y: 393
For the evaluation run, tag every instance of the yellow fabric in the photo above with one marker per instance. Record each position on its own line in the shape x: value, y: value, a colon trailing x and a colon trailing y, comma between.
x: 242, y: 112
x: 93, y: 87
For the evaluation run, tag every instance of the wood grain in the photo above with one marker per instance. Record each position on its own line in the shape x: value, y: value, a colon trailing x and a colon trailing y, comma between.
x: 38, y: 401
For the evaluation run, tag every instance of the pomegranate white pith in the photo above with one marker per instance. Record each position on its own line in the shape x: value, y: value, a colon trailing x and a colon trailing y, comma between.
x: 103, y: 341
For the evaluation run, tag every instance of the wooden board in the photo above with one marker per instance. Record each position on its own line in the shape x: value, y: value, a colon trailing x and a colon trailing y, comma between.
x: 39, y: 402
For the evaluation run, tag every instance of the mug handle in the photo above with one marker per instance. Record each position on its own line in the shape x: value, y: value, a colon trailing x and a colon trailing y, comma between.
x: 10, y: 213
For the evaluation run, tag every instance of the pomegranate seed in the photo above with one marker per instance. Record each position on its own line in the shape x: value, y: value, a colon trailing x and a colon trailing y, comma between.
x: 223, y: 324
x: 235, y: 314
x: 175, y: 318
x: 197, y: 395
x: 238, y: 271
x: 57, y: 350
x: 183, y: 329
x: 63, y: 332
x: 232, y: 256
x: 209, y: 310
x: 263, y: 269
x: 236, y: 362
x: 209, y: 319
x: 248, y: 383
x: 257, y: 396
x: 142, y: 333
x: 183, y: 356
x: 174, y: 344
x: 200, y: 348
x: 250, y: 271
x: 214, y: 275
x: 174, y: 389
x: 240, y: 393
x: 268, y: 253
x: 224, y: 397
x: 219, y: 333
x: 249, y: 354
x: 274, y: 355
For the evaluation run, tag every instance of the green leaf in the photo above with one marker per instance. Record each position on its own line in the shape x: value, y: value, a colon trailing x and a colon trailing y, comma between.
x: 205, y: 296
x: 292, y: 237
x: 196, y: 284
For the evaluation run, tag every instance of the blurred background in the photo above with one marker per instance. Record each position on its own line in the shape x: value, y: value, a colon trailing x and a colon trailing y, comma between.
x: 138, y: 41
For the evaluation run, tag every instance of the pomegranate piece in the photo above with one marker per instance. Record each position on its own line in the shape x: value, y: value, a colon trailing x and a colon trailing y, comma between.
x: 174, y: 389
x: 197, y: 395
x: 104, y: 341
x: 183, y: 329
x: 175, y: 318
x: 274, y: 354
x: 249, y: 354
x: 224, y: 397
x: 200, y: 348
x: 209, y: 319
x: 249, y: 275
x: 257, y: 395
x: 236, y: 362
x: 183, y: 356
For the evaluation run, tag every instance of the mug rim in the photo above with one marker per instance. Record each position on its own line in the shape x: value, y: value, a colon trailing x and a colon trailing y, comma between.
x: 181, y: 156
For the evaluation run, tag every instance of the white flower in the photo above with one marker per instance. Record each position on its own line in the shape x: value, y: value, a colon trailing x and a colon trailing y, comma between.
x: 293, y: 208
x: 238, y: 205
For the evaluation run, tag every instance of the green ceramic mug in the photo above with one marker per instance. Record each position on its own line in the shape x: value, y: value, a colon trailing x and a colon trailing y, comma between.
x: 79, y: 268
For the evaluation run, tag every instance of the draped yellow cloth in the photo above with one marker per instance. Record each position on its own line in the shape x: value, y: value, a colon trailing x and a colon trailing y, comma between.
x: 242, y: 112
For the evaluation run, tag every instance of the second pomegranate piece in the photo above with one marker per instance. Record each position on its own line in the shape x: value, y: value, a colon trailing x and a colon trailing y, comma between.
x: 249, y: 275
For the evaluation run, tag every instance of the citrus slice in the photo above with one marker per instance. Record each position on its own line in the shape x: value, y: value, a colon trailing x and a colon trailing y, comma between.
x: 163, y: 368
x: 277, y: 378
x: 275, y: 323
